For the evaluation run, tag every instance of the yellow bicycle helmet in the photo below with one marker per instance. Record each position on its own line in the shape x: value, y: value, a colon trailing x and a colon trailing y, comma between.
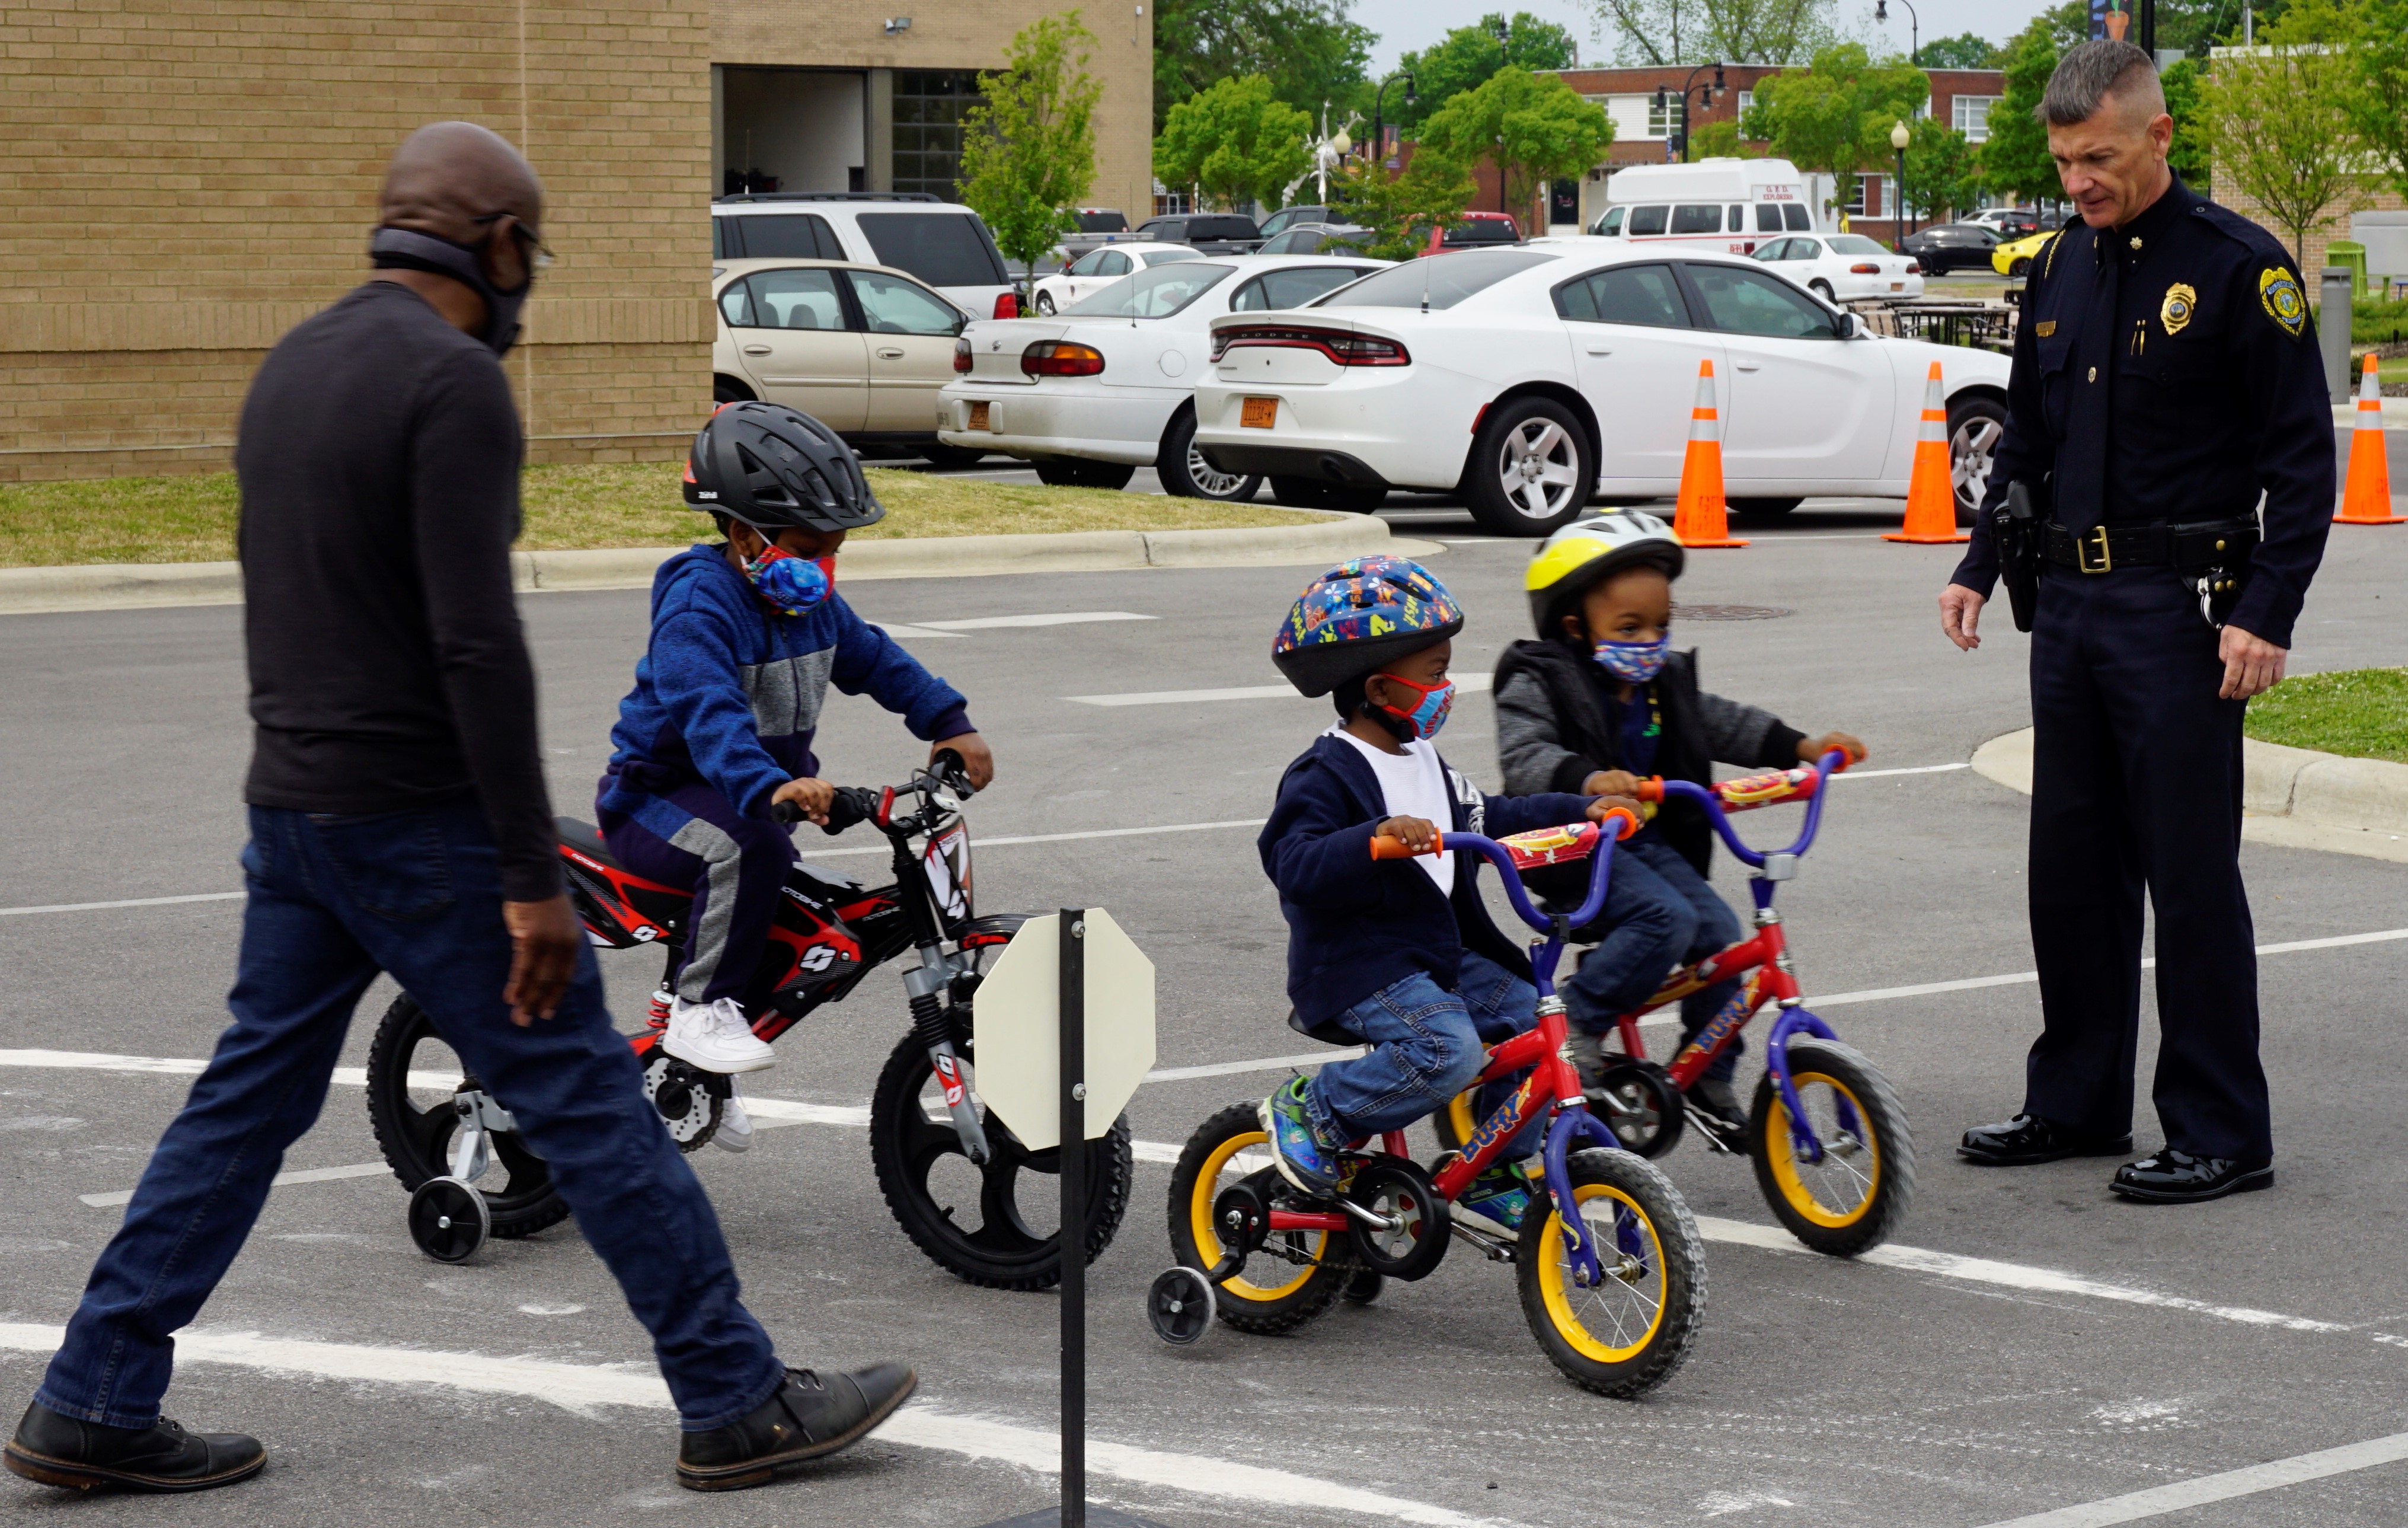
x: 1569, y: 562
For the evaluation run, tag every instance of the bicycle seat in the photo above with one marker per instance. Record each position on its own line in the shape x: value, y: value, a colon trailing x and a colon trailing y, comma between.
x: 586, y: 840
x: 1327, y: 1031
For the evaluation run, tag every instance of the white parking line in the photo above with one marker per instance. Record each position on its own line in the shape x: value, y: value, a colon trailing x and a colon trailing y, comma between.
x: 1066, y: 617
x: 307, y: 1174
x: 1918, y: 769
x: 575, y: 1387
x: 130, y: 902
x: 1469, y: 683
x: 2274, y: 1475
x: 1060, y: 838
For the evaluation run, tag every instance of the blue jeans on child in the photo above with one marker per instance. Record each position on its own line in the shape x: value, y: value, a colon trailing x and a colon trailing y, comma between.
x: 1427, y: 1044
x: 1659, y: 912
x: 332, y: 901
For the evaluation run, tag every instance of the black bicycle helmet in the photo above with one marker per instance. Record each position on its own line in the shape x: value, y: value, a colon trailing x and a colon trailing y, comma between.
x: 770, y: 465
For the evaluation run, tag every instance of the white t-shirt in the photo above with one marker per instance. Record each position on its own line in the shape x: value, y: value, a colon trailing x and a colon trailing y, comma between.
x: 1413, y: 785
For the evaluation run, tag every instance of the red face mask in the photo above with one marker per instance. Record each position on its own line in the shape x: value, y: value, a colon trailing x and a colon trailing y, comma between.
x: 1430, y: 712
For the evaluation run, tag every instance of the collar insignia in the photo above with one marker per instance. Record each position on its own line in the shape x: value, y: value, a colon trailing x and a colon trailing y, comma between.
x: 2175, y: 311
x: 2279, y: 291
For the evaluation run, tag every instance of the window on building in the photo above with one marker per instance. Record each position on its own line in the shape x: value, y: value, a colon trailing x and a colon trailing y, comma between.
x: 928, y: 107
x: 1747, y: 102
x: 1665, y: 121
x: 1972, y: 115
x: 1856, y: 203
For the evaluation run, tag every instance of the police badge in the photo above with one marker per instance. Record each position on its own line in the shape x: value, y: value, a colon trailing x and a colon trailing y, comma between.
x: 2176, y: 310
x: 2280, y: 293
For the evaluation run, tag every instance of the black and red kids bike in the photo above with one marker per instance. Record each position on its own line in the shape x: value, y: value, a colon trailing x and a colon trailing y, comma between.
x: 1830, y: 1141
x: 1612, y: 1272
x: 962, y: 1188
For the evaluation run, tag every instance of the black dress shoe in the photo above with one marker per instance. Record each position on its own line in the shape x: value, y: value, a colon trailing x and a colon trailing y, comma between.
x: 2028, y: 1139
x: 2177, y: 1177
x: 61, y: 1450
x: 812, y: 1416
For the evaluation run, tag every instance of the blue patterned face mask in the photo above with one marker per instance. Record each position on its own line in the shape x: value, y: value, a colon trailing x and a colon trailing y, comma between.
x: 1426, y: 717
x: 794, y: 586
x: 1634, y: 663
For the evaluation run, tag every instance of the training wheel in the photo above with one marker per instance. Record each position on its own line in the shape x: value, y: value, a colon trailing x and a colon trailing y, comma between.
x: 1179, y: 1305
x: 448, y: 1221
x: 1363, y: 1287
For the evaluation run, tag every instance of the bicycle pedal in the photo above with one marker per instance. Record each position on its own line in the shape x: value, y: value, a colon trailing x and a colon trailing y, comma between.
x: 1716, y: 1130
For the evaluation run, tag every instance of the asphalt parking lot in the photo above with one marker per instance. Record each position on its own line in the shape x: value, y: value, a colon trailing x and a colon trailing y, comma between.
x: 2030, y: 1344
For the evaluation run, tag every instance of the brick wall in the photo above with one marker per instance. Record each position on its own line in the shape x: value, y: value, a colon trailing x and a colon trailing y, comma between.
x: 182, y: 181
x: 2385, y: 199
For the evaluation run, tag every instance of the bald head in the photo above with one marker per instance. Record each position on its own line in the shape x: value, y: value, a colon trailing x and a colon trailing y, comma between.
x: 448, y: 175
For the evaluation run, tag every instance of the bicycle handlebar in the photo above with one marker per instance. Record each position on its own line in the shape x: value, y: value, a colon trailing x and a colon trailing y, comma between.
x: 1748, y: 793
x: 1385, y: 847
x: 860, y: 803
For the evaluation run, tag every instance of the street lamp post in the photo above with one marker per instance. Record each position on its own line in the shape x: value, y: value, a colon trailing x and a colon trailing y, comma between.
x: 1504, y: 56
x: 1914, y: 28
x: 1379, y: 136
x: 1706, y: 95
x: 1899, y: 139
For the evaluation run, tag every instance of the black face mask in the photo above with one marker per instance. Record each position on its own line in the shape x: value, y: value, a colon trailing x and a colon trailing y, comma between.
x: 400, y: 249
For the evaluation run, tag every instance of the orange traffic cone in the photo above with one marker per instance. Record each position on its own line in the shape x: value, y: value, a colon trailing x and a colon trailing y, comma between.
x: 1930, y: 495
x: 2366, y: 495
x: 1700, y: 518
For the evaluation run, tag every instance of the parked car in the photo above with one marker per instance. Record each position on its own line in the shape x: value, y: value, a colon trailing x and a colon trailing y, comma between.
x: 1944, y: 247
x: 1215, y: 233
x: 1097, y: 269
x: 1537, y: 376
x: 1097, y: 227
x: 1476, y: 229
x: 1312, y: 238
x: 2007, y: 222
x: 940, y: 244
x: 1730, y: 205
x: 1288, y: 217
x: 1842, y: 268
x: 1096, y: 393
x: 2015, y: 259
x: 863, y: 349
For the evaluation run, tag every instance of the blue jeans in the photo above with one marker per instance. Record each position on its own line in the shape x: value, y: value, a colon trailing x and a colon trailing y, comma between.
x: 332, y: 901
x: 1427, y: 1044
x: 1659, y: 912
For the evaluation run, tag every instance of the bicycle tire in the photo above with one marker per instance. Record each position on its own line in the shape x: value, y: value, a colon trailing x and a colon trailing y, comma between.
x: 1554, y: 1307
x: 1263, y: 1309
x: 1820, y: 1066
x: 416, y: 1142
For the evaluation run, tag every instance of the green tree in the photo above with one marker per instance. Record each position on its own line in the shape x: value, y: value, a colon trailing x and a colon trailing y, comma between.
x: 2016, y: 161
x: 1402, y: 210
x: 1308, y: 49
x: 2279, y: 121
x: 2378, y: 97
x: 1236, y: 140
x: 1665, y: 32
x: 1534, y: 126
x: 1028, y: 146
x: 1836, y: 116
x: 1468, y: 55
x: 1965, y: 51
x: 2189, y: 155
x: 1941, y: 177
x: 1721, y: 140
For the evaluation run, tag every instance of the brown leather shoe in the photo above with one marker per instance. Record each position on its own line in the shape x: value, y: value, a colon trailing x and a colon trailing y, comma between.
x: 812, y: 1416
x: 61, y: 1450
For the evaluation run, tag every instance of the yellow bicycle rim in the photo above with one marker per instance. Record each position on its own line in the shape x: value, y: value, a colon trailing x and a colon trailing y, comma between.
x: 1208, y: 1244
x: 1561, y: 1294
x: 1458, y: 1114
x: 1781, y: 1154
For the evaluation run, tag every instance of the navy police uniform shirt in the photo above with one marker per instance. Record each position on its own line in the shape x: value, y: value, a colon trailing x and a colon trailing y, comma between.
x: 2168, y: 370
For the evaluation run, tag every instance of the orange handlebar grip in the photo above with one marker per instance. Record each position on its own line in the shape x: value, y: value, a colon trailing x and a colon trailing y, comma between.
x: 1629, y: 821
x: 1650, y: 789
x: 1388, y: 846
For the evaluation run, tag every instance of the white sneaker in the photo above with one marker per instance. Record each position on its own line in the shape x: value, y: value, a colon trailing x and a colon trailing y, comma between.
x: 735, y: 1132
x: 714, y: 1037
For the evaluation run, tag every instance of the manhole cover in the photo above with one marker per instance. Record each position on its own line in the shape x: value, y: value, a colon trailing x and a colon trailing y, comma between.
x: 1729, y: 613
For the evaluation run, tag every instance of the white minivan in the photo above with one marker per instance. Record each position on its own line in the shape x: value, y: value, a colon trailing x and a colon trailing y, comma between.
x: 946, y: 246
x: 1727, y: 204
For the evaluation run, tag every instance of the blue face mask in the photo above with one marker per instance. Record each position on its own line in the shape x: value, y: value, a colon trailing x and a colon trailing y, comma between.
x: 1634, y: 663
x: 1428, y: 716
x: 794, y: 586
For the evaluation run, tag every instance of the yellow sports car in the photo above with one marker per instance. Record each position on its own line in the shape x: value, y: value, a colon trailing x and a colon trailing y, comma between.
x: 2015, y: 259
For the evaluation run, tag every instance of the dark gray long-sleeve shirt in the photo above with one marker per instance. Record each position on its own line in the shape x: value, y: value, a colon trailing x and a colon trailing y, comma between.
x: 379, y: 461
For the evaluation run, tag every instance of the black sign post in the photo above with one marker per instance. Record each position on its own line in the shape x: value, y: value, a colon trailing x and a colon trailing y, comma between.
x: 1072, y: 1006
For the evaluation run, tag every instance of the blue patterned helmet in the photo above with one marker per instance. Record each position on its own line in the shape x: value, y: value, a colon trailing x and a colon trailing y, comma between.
x: 1358, y: 615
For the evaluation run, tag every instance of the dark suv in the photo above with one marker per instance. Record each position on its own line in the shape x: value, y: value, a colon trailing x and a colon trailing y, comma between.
x: 1211, y: 233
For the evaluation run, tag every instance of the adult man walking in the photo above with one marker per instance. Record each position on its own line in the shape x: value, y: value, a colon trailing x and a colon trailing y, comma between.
x: 2165, y: 373
x: 399, y: 824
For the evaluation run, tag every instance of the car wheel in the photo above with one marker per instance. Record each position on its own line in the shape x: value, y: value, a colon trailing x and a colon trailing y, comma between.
x: 944, y: 456
x: 1079, y: 472
x: 1763, y: 509
x: 1186, y: 475
x: 1975, y: 423
x: 2018, y: 266
x: 1532, y: 468
x: 728, y: 390
x: 1314, y: 494
x: 1822, y: 290
x: 1045, y: 304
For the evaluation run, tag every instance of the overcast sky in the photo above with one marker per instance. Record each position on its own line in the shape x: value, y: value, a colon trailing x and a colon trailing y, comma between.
x: 1405, y: 26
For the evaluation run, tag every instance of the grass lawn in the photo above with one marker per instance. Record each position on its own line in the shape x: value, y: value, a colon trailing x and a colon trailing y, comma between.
x: 2362, y: 713
x: 191, y: 518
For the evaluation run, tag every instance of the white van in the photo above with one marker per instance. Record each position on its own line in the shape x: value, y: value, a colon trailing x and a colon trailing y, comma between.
x: 946, y: 246
x: 1727, y: 205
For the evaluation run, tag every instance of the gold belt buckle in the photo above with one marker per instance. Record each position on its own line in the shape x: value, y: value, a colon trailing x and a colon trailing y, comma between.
x: 2082, y: 552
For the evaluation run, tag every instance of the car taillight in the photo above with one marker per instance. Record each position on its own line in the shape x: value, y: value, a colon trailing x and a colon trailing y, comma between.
x: 962, y: 353
x: 1061, y: 358
x: 1007, y: 305
x: 1337, y: 344
x: 1864, y: 268
x: 1914, y: 268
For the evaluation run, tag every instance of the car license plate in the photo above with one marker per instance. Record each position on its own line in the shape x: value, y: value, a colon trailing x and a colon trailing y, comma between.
x: 1897, y: 286
x: 978, y: 417
x: 1258, y: 413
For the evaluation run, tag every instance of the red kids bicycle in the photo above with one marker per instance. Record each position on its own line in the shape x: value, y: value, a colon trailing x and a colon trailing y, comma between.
x: 1610, y: 1269
x: 1833, y: 1151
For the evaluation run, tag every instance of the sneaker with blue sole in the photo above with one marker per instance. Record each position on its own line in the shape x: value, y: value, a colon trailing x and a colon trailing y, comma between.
x: 1304, y: 1159
x: 1494, y: 1202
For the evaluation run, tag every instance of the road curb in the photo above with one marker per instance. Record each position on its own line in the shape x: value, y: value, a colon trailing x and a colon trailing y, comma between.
x: 1331, y: 537
x: 2298, y: 798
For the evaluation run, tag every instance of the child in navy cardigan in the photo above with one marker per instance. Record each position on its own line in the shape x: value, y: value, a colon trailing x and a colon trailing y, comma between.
x: 1398, y: 953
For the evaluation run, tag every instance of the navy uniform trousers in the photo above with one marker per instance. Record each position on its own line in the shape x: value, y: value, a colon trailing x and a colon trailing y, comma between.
x: 2136, y: 783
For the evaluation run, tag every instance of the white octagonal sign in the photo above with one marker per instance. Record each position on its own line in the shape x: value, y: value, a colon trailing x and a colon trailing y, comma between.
x: 1018, y: 1068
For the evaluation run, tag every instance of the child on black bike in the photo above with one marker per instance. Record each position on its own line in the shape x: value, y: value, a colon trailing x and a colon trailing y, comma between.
x: 746, y: 637
x: 1599, y: 701
x: 1398, y: 953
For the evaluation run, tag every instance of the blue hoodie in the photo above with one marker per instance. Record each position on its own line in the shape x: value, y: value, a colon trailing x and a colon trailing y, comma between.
x: 730, y: 690
x: 1357, y: 925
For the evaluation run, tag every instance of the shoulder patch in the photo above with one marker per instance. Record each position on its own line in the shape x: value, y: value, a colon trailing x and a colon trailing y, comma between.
x: 2278, y: 291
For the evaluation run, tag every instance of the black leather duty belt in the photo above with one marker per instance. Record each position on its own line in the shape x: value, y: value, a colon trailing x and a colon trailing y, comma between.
x: 2191, y: 548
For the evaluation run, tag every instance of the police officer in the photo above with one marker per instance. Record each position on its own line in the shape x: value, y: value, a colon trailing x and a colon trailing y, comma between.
x: 2166, y: 373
